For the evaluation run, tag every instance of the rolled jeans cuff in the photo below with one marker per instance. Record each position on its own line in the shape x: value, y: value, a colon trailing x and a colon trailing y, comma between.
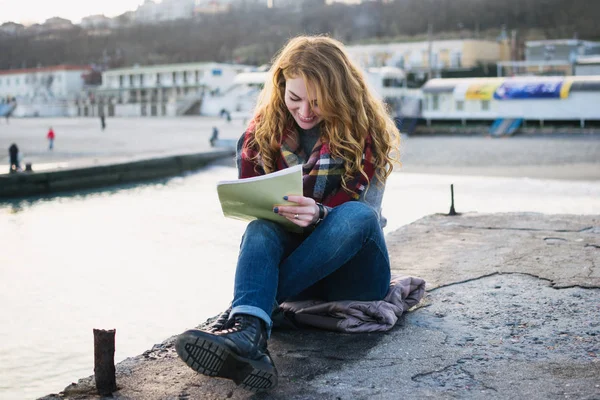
x: 255, y: 312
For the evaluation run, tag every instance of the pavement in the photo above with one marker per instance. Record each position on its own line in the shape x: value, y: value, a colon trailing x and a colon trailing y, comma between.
x: 511, y: 312
x: 80, y: 142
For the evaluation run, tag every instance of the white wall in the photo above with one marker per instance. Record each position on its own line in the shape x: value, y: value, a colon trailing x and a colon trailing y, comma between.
x: 135, y: 110
x: 72, y: 83
x: 24, y: 86
x: 587, y: 69
x: 206, y: 74
x: 578, y: 106
x: 59, y: 109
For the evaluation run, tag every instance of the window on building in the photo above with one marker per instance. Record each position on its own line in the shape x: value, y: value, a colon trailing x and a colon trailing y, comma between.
x: 435, y: 102
x: 444, y: 58
x: 158, y: 79
x: 174, y: 76
x: 141, y: 80
x: 120, y: 81
x: 456, y: 59
x: 131, y: 80
x: 185, y: 76
x: 460, y: 105
x: 485, y: 105
x: 392, y: 82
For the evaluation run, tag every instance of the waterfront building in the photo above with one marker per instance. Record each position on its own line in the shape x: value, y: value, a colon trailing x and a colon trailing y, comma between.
x: 589, y: 65
x: 160, y: 90
x: 513, y: 100
x: 550, y: 57
x: 44, y: 91
x: 560, y: 50
x: 438, y: 58
x: 388, y: 83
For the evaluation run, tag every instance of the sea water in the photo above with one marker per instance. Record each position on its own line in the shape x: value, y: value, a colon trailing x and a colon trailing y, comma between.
x: 151, y: 260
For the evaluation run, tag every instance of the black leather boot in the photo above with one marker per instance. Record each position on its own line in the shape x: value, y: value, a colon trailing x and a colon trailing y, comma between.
x: 238, y: 353
x: 220, y: 323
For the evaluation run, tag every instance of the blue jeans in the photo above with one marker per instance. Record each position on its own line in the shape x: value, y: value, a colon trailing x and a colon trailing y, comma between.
x: 344, y: 258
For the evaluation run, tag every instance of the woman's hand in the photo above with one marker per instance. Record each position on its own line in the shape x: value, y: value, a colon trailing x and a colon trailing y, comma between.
x: 304, y: 213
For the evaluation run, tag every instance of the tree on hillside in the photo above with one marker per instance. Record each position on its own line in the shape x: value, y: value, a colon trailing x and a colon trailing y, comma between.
x: 251, y: 34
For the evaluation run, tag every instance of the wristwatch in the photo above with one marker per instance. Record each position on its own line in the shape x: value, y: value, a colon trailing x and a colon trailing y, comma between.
x: 321, y: 214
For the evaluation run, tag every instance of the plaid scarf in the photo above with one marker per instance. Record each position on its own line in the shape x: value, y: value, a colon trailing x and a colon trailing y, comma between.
x: 322, y: 174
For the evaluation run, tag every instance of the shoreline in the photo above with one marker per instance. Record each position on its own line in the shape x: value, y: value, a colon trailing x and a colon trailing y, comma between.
x: 569, y: 172
x: 25, y: 184
x: 442, y: 129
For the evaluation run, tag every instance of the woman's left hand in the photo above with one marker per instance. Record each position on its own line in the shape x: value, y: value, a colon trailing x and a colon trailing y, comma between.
x: 305, y: 213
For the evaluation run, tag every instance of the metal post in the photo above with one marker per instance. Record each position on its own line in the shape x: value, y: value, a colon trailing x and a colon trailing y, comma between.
x: 104, y: 361
x: 452, y: 211
x: 430, y: 50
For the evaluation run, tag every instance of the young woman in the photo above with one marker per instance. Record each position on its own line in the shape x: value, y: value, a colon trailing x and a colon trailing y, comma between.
x: 316, y: 110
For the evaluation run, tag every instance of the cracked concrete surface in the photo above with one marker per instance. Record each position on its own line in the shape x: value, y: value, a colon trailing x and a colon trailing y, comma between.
x: 512, y: 311
x: 445, y: 250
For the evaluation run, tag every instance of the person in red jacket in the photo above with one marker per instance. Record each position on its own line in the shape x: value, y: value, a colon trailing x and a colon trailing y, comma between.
x: 50, y: 137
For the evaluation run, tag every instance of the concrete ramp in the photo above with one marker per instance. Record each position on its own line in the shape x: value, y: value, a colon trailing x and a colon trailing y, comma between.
x: 505, y: 126
x: 7, y: 109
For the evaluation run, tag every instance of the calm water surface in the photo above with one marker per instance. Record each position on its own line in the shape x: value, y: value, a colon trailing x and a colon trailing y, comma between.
x: 153, y: 260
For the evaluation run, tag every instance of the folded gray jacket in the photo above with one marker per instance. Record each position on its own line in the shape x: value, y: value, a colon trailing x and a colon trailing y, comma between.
x: 358, y: 316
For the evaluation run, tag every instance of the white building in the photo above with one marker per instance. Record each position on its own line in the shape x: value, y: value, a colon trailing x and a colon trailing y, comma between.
x: 388, y: 83
x: 43, y: 91
x: 98, y: 21
x: 529, y: 98
x: 167, y: 10
x: 211, y: 6
x: 176, y: 9
x: 147, y: 12
x: 445, y: 54
x: 160, y: 90
x: 57, y: 23
x: 11, y: 28
x: 558, y: 57
x: 589, y: 65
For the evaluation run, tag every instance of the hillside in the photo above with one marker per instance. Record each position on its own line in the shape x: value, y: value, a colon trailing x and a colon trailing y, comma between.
x: 252, y: 35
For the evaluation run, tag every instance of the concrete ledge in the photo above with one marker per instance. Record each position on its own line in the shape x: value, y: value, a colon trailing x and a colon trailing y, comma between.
x: 36, y: 183
x: 512, y: 313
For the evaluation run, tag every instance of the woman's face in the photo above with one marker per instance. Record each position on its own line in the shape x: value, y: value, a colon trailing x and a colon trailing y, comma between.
x: 298, y: 102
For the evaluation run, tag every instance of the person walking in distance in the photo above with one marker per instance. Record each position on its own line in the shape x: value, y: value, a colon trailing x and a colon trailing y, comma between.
x: 50, y: 137
x: 13, y: 153
x: 102, y: 120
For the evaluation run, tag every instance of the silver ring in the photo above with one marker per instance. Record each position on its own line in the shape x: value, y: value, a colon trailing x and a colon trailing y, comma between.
x: 295, y: 216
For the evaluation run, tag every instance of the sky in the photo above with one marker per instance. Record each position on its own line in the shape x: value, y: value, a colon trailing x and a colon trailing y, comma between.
x: 28, y: 12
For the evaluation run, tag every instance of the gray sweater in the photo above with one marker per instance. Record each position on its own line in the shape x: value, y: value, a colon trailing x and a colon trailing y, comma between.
x: 371, y: 197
